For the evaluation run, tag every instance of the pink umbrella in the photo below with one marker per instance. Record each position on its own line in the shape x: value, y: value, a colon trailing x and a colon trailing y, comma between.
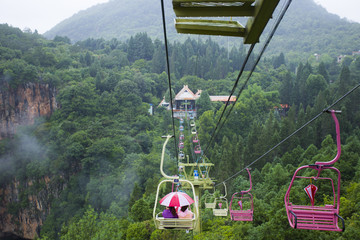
x: 310, y: 191
x: 176, y: 199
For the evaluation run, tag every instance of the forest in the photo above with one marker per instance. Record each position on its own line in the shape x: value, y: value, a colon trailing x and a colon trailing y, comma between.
x: 104, y: 147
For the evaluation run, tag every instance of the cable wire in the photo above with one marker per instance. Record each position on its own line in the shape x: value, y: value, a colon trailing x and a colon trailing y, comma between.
x: 232, y: 92
x: 257, y: 60
x: 272, y: 32
x: 169, y: 79
x: 292, y: 134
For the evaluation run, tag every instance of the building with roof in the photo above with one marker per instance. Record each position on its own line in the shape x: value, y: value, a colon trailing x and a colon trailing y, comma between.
x: 184, y: 101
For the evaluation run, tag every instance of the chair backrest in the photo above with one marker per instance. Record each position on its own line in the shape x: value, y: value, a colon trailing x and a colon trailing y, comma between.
x: 338, y: 142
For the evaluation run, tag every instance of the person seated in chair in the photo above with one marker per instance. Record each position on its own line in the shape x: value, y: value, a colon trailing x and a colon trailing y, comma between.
x: 170, y: 212
x: 184, y: 212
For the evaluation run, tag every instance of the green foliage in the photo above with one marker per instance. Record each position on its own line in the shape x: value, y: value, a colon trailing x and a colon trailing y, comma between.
x: 140, y: 230
x: 102, y: 148
x: 93, y: 226
x: 203, y: 103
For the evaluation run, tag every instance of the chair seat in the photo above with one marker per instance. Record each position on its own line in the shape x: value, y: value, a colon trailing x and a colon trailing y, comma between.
x: 174, y: 223
x: 315, y: 217
x: 220, y: 212
x: 241, y: 215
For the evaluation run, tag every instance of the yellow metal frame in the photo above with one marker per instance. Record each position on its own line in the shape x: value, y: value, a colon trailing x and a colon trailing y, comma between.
x: 224, y: 211
x: 259, y: 13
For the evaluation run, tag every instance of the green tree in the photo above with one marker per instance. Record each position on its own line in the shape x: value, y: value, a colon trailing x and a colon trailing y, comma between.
x: 203, y: 103
x: 141, y: 211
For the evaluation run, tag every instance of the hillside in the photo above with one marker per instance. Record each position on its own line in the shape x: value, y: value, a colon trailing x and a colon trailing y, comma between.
x: 307, y: 27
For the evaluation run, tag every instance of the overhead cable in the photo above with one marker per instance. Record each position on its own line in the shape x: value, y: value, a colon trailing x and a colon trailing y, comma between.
x: 292, y: 134
x: 272, y: 32
x: 168, y: 73
x: 258, y: 59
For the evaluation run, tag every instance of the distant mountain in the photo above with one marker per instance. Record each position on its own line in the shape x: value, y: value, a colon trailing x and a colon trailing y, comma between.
x: 116, y: 19
x: 306, y: 27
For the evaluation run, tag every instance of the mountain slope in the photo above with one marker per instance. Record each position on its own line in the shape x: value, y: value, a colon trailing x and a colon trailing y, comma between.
x: 115, y: 19
x: 306, y: 27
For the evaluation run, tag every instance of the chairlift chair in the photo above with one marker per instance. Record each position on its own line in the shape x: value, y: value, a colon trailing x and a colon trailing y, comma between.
x: 223, y: 205
x: 181, y: 128
x: 175, y: 223
x: 192, y: 123
x: 181, y: 155
x: 241, y: 198
x: 197, y: 149
x: 195, y: 139
x: 314, y: 217
x: 193, y: 131
x: 223, y: 209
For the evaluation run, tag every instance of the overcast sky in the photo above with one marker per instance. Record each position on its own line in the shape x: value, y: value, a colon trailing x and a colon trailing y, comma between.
x: 45, y: 14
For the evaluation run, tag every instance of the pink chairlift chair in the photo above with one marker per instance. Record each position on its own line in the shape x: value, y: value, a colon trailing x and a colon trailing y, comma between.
x: 240, y: 197
x: 318, y: 217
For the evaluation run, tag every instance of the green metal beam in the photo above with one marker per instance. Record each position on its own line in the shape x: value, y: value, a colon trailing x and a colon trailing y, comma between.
x: 218, y: 11
x: 211, y: 8
x: 255, y: 25
x: 210, y: 27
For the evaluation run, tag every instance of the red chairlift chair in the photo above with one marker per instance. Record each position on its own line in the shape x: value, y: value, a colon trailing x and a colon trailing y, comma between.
x: 197, y: 149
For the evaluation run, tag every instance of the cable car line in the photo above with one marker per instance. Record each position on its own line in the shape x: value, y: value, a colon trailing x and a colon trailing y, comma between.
x: 279, y: 19
x: 232, y: 92
x: 169, y: 79
x: 292, y: 134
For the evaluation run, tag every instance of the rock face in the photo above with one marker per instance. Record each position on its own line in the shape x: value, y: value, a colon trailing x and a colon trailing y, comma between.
x: 22, y: 105
x: 23, y: 210
x: 21, y: 215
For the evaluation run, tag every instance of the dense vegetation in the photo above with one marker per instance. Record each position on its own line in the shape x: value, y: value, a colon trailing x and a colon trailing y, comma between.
x: 104, y: 147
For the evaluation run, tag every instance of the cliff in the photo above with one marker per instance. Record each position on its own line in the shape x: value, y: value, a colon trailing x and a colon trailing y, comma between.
x: 22, y: 105
x: 22, y: 212
x: 23, y: 207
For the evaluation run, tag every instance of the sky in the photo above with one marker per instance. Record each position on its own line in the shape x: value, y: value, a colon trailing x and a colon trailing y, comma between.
x: 42, y: 15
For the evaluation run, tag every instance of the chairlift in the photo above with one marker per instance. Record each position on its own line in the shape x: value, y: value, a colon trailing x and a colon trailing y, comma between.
x: 192, y: 123
x: 241, y: 198
x: 193, y: 131
x: 181, y: 155
x: 197, y: 149
x: 314, y: 216
x: 181, y: 128
x: 181, y: 145
x: 181, y: 137
x: 175, y: 223
x: 195, y: 139
x: 222, y: 207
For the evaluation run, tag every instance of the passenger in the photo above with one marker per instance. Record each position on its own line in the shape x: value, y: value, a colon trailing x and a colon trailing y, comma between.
x: 169, y: 212
x: 184, y: 212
